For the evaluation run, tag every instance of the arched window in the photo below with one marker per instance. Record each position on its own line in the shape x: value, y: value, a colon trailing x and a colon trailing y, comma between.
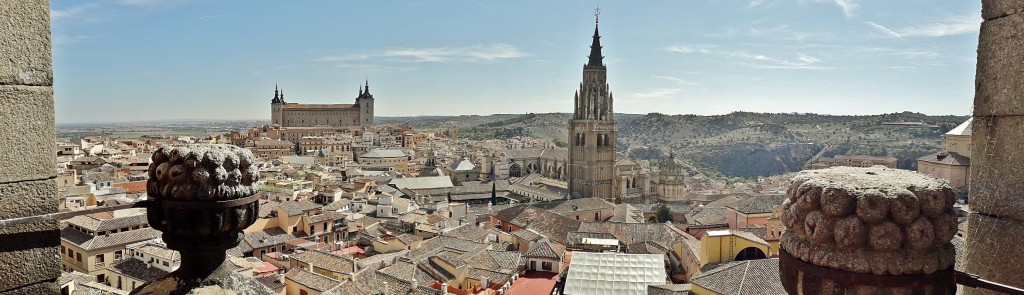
x: 515, y: 170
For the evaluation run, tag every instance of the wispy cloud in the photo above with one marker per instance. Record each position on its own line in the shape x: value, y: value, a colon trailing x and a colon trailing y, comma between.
x: 907, y: 53
x: 142, y: 2
x: 210, y: 16
x: 755, y: 60
x: 883, y: 29
x: 59, y: 39
x: 658, y: 93
x: 681, y: 49
x: 677, y: 80
x: 70, y: 12
x: 951, y: 26
x: 754, y: 3
x: 487, y: 52
x: 849, y: 7
x: 807, y: 59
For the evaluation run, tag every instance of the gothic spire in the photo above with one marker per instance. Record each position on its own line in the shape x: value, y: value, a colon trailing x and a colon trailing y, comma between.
x: 595, y: 47
x: 360, y: 90
x: 367, y: 86
x: 277, y: 95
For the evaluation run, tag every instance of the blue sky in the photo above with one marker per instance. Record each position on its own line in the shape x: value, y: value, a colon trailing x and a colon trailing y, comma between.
x: 122, y: 60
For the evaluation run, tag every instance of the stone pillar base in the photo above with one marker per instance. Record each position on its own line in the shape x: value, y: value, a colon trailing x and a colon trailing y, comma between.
x: 799, y: 277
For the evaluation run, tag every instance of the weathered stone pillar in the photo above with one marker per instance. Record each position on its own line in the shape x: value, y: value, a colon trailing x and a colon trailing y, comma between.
x: 995, y: 240
x: 28, y: 252
x: 201, y: 197
x: 868, y: 231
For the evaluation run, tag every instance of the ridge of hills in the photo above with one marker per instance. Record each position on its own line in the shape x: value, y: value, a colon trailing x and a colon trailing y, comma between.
x: 739, y: 144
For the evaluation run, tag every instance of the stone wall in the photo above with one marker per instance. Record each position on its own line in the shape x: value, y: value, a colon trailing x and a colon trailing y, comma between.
x: 28, y: 253
x: 996, y: 229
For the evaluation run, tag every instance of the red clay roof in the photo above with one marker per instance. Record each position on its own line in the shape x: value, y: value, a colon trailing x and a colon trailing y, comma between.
x: 132, y: 187
x: 539, y: 282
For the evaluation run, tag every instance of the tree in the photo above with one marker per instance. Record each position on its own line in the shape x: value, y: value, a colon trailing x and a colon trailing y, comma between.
x: 663, y: 214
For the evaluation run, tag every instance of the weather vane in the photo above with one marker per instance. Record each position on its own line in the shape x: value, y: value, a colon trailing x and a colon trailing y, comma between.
x: 597, y: 13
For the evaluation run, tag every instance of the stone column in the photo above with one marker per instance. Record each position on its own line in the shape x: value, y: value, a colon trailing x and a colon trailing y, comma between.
x: 201, y: 196
x: 868, y: 231
x: 28, y: 252
x: 996, y: 229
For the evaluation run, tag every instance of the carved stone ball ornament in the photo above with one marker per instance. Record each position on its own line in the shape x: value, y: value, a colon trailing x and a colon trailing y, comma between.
x: 876, y: 230
x: 202, y: 190
x: 201, y: 196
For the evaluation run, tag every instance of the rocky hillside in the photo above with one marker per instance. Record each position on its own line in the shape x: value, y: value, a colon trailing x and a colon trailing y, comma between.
x: 739, y: 144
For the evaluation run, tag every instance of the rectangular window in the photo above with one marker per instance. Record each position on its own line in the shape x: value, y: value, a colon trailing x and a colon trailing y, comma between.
x: 78, y: 256
x: 545, y: 265
x: 99, y: 259
x: 166, y: 264
x: 117, y: 255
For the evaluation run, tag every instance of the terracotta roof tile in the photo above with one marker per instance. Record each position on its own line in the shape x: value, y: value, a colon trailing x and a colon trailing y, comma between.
x: 750, y: 277
x: 311, y: 280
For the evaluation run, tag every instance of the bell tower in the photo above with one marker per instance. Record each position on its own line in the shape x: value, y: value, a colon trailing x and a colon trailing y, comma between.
x: 593, y: 130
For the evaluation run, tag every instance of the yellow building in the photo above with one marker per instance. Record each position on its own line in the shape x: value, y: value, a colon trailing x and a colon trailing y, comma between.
x: 89, y: 244
x: 144, y: 263
x: 720, y: 246
x: 393, y: 159
x: 952, y: 164
x: 270, y: 149
x: 299, y: 281
x: 391, y: 243
x: 325, y: 264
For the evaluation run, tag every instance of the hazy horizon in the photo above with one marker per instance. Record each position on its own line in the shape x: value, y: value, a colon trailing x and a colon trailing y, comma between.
x: 129, y: 60
x: 481, y: 115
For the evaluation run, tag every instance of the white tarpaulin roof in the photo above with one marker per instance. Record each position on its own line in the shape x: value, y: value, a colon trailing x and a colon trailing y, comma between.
x: 614, y: 273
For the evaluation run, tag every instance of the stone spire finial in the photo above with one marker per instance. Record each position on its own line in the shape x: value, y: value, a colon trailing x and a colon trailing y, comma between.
x: 201, y: 197
x: 874, y: 222
x: 277, y: 95
x: 595, y: 47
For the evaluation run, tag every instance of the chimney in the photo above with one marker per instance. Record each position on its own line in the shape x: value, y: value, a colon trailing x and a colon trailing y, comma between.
x: 484, y: 283
x: 444, y: 288
x: 412, y: 285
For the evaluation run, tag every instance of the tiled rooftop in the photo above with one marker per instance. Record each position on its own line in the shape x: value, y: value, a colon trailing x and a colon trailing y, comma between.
x: 750, y: 277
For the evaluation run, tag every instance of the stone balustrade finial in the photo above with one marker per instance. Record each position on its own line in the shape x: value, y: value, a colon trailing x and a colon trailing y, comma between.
x: 868, y: 224
x: 201, y: 196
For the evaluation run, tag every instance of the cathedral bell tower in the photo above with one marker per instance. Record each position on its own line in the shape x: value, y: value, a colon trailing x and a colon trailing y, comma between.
x: 593, y: 130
